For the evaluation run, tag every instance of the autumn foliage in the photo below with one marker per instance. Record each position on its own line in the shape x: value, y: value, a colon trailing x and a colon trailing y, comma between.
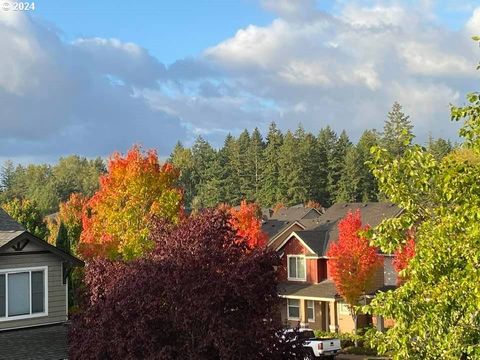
x: 403, y: 256
x: 246, y: 222
x: 353, y: 262
x: 198, y: 295
x: 135, y: 189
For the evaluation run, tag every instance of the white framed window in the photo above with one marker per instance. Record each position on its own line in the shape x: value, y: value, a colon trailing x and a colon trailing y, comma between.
x: 293, y: 309
x: 343, y: 308
x: 296, y: 267
x: 23, y: 293
x: 311, y: 310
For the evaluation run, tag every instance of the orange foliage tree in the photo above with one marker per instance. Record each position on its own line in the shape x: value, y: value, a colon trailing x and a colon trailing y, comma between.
x: 246, y: 221
x: 353, y: 262
x: 70, y: 215
x: 403, y: 256
x: 135, y: 189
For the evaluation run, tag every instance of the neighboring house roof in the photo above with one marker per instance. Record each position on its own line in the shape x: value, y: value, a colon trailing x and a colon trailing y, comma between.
x: 323, y: 290
x: 319, y: 233
x: 10, y: 230
x: 284, y: 219
x: 39, y: 343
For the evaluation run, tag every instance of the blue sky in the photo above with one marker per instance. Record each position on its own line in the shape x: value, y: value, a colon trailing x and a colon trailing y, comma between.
x: 94, y: 77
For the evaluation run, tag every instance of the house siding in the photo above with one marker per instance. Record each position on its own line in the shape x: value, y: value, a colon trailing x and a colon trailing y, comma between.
x: 56, y: 289
x: 292, y: 247
x: 278, y: 241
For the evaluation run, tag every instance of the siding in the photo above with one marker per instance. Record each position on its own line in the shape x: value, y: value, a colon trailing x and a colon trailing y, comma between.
x: 292, y: 247
x: 56, y: 289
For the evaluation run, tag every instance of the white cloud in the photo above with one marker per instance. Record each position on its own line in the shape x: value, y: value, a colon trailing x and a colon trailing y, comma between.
x: 96, y: 95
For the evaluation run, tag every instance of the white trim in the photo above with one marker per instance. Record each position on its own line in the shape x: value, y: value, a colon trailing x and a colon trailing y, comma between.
x: 295, y: 297
x: 305, y: 268
x: 45, y: 290
x: 288, y: 310
x: 33, y: 326
x: 66, y: 299
x: 306, y: 306
x: 299, y: 239
x: 283, y: 231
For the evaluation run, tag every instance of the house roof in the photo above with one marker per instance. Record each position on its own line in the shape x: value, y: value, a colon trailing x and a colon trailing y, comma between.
x: 11, y: 230
x: 323, y: 290
x: 285, y: 218
x: 320, y: 232
x: 38, y: 343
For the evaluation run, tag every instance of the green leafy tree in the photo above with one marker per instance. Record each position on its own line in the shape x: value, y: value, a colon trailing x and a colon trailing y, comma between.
x: 397, y: 131
x: 229, y: 162
x: 436, y: 310
x: 28, y: 214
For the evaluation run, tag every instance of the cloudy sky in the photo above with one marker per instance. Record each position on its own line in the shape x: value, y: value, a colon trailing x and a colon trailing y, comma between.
x: 90, y: 78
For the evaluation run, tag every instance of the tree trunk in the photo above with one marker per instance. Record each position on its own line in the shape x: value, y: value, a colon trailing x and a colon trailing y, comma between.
x: 355, y: 327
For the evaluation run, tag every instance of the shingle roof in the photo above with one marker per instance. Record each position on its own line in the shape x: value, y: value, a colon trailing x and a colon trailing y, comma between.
x: 315, y: 239
x: 292, y: 213
x: 320, y: 232
x: 9, y: 228
x: 325, y: 289
x: 283, y: 218
x: 39, y: 343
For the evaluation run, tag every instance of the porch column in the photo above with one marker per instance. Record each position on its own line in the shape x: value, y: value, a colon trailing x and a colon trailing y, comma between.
x: 303, y: 313
x: 333, y: 316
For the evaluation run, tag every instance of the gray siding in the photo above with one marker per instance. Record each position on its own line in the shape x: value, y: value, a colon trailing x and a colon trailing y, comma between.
x: 56, y: 289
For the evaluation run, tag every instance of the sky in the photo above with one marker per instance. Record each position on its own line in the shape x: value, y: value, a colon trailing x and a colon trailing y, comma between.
x: 93, y: 77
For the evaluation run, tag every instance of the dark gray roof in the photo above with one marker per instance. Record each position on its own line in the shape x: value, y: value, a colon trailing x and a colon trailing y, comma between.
x: 315, y: 240
x: 39, y: 343
x: 283, y: 218
x: 293, y: 213
x: 325, y: 289
x: 9, y: 228
x: 319, y: 233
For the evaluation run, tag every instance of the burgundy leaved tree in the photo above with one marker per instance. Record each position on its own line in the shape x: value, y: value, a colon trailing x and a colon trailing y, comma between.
x: 201, y: 294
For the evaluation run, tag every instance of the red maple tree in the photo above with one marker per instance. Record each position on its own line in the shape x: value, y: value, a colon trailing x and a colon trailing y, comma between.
x: 353, y: 261
x: 403, y: 256
x: 246, y: 221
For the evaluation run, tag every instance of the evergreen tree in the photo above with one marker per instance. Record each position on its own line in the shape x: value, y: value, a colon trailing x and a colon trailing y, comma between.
x: 255, y: 155
x: 336, y: 164
x: 349, y: 187
x: 182, y: 159
x: 245, y: 171
x: 439, y: 148
x: 396, y: 131
x: 291, y: 184
x: 229, y: 162
x: 62, y: 241
x: 269, y: 189
x: 368, y: 184
x: 207, y: 174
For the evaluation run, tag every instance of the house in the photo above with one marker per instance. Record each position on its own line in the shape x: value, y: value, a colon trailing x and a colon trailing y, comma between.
x: 309, y: 294
x: 281, y: 223
x: 33, y: 289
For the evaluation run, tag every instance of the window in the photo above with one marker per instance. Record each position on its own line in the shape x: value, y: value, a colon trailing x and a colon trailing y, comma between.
x: 296, y: 268
x: 293, y: 309
x: 311, y: 310
x: 23, y: 293
x: 343, y: 309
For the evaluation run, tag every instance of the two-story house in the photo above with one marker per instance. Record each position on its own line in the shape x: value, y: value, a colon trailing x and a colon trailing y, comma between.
x: 309, y: 294
x: 33, y: 294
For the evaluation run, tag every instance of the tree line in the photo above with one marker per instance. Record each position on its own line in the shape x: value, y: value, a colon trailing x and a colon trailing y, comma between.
x: 292, y: 167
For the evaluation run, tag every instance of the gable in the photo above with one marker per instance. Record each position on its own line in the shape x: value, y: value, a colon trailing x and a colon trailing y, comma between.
x: 293, y: 245
x: 28, y: 244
